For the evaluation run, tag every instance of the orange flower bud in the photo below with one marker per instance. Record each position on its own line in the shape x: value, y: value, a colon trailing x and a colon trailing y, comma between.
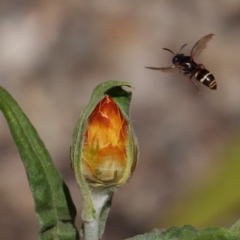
x: 104, y: 158
x: 104, y: 152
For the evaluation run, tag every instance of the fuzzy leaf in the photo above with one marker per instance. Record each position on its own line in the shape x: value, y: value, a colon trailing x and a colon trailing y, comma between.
x: 189, y: 233
x: 53, y: 203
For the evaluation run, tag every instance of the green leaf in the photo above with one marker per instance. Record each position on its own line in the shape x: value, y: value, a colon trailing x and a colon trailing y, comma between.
x: 189, y: 233
x: 236, y: 228
x: 53, y: 203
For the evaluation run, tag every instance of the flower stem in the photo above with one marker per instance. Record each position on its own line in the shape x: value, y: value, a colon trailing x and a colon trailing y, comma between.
x: 91, y: 228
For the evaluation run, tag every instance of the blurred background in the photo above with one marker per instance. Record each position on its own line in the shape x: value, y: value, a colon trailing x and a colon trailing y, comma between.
x: 52, y: 55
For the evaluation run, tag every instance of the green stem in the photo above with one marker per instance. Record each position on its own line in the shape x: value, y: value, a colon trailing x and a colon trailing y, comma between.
x: 91, y: 228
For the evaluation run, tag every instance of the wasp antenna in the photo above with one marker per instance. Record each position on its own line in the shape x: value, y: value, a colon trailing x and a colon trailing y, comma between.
x: 182, y: 47
x: 169, y: 51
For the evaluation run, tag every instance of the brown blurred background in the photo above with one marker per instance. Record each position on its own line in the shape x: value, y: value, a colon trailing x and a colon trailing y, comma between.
x: 52, y: 55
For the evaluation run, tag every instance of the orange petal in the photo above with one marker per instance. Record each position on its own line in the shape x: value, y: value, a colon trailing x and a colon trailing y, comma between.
x: 105, y: 144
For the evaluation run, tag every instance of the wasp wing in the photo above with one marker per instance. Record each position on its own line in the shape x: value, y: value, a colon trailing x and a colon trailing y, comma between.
x: 200, y: 45
x: 164, y: 69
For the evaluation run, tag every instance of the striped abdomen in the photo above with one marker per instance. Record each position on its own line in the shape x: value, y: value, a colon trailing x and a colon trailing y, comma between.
x: 206, y: 78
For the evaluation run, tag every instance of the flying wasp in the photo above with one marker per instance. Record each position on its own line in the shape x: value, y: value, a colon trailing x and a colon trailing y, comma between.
x: 189, y: 67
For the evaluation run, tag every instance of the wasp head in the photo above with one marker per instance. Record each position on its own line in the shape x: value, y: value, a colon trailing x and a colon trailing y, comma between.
x: 177, y: 58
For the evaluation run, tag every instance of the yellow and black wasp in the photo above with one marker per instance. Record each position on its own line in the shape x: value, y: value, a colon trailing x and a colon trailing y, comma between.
x: 189, y: 67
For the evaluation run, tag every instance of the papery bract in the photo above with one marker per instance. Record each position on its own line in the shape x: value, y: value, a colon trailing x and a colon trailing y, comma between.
x: 104, y: 156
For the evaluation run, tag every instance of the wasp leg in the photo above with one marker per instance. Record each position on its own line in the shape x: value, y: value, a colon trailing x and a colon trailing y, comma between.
x: 200, y: 65
x: 190, y: 79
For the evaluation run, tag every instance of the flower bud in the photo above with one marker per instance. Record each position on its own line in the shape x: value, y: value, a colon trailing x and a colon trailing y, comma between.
x: 104, y: 159
x: 104, y: 150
